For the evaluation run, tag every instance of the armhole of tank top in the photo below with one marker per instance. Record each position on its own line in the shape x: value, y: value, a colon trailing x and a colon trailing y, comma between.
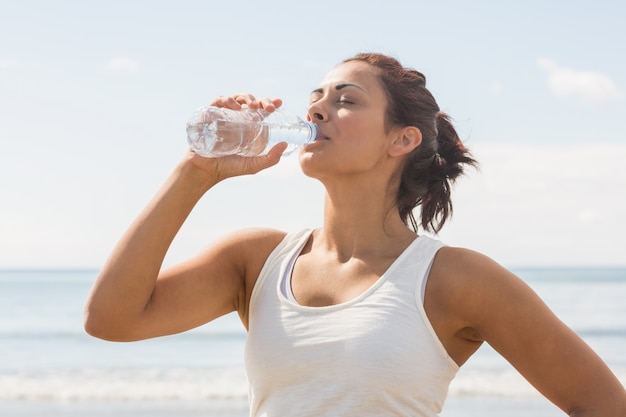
x: 285, y: 282
x: 425, y: 280
x: 422, y: 309
x: 269, y: 263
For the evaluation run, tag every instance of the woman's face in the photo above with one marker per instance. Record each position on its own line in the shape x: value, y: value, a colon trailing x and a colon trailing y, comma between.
x: 349, y: 107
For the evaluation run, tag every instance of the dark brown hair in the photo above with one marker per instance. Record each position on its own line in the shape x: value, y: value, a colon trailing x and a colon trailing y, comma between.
x: 430, y: 170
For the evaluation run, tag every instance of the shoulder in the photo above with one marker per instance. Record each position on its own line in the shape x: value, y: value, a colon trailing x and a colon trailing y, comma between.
x: 466, y: 269
x: 259, y: 238
x: 461, y: 268
x: 231, y: 263
x: 480, y: 294
x: 470, y: 298
x: 240, y: 253
x: 473, y: 287
x: 247, y: 249
x: 457, y: 260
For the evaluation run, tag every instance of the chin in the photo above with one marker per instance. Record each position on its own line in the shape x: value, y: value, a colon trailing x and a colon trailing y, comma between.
x: 310, y: 164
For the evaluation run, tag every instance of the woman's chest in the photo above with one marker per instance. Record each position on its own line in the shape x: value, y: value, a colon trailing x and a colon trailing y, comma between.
x: 317, y: 282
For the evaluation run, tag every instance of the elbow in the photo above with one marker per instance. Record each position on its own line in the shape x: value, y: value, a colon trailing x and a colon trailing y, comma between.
x: 92, y: 326
x: 102, y: 326
x: 97, y: 327
x: 615, y: 406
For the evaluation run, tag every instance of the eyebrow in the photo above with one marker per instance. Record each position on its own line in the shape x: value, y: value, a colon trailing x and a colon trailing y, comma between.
x: 338, y: 87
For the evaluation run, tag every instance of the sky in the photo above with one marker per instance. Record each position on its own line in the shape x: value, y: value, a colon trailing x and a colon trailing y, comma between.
x: 94, y: 97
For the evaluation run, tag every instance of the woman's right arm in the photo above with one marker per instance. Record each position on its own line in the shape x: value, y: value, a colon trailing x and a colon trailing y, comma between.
x: 134, y: 299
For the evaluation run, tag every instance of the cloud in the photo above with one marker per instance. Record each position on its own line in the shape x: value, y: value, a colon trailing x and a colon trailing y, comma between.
x: 589, y: 86
x: 123, y: 65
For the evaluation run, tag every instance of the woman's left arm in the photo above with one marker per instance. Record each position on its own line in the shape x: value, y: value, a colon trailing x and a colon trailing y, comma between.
x: 512, y: 318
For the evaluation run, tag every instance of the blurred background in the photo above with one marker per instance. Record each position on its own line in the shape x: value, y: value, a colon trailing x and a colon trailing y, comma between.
x: 94, y: 97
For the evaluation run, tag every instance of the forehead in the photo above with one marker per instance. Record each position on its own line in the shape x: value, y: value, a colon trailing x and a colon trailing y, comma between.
x: 356, y: 72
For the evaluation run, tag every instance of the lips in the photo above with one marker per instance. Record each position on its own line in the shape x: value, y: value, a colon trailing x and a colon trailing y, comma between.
x: 320, y: 135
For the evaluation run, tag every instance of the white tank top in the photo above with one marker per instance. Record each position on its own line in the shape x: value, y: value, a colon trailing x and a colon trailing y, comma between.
x: 375, y: 355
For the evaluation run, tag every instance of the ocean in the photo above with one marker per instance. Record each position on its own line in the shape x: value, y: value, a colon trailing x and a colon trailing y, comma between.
x: 50, y: 367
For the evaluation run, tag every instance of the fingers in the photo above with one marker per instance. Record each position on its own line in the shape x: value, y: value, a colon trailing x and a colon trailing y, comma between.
x: 263, y: 162
x: 235, y: 165
x: 225, y: 101
x: 270, y: 104
x: 276, y: 152
x: 243, y: 100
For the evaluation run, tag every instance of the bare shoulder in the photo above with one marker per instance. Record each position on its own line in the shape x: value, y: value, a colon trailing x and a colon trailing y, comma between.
x: 464, y: 280
x: 481, y: 293
x: 261, y: 239
x: 462, y: 262
x: 246, y: 251
x: 220, y: 278
x: 471, y: 291
x: 460, y: 290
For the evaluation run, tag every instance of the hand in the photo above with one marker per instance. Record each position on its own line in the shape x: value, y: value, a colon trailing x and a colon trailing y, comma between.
x: 239, y: 101
x: 234, y: 165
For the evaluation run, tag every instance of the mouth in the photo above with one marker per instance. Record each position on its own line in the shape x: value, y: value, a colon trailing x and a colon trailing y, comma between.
x: 320, y: 136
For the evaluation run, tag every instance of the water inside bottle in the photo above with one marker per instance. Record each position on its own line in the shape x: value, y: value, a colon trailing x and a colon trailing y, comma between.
x: 242, y: 138
x: 295, y: 134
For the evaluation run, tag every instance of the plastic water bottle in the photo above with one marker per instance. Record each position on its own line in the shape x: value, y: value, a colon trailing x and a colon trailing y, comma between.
x: 214, y: 131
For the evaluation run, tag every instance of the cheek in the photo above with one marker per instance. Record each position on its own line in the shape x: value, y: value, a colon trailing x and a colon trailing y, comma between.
x: 366, y: 133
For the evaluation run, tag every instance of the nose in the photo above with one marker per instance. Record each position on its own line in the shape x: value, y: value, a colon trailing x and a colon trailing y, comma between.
x: 317, y: 113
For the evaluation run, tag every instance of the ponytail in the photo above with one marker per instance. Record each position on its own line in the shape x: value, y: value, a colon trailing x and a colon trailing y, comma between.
x: 428, y: 176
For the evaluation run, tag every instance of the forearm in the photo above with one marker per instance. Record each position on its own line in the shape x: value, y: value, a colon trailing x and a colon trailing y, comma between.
x: 126, y: 283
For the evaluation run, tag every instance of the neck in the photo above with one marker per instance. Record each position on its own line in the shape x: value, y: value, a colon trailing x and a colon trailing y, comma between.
x: 362, y: 221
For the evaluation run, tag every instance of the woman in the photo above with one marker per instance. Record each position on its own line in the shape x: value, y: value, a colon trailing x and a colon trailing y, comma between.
x: 362, y: 316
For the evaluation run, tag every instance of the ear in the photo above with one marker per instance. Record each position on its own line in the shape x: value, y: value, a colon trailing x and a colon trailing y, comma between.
x: 406, y: 139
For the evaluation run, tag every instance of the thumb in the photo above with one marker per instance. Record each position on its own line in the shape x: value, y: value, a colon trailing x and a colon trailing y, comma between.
x: 271, y: 158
